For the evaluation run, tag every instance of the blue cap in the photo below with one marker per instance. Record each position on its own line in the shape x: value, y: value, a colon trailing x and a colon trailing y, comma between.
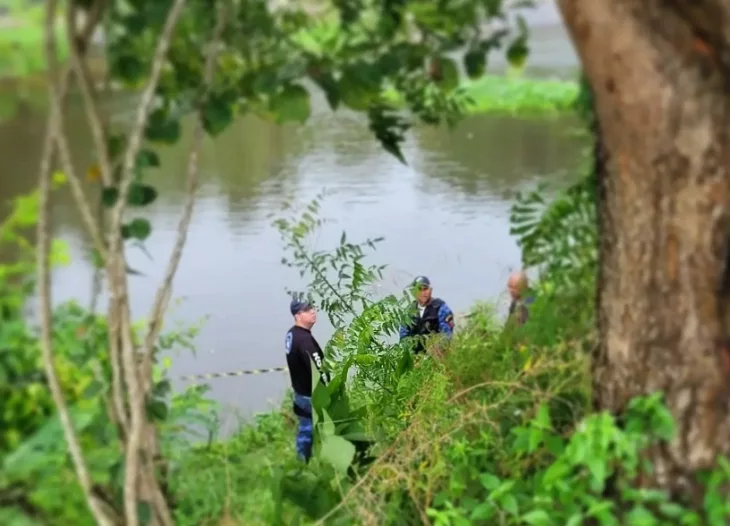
x: 298, y: 306
x: 423, y: 281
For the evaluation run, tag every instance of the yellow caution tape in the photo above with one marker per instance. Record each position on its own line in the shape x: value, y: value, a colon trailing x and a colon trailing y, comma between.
x: 210, y: 376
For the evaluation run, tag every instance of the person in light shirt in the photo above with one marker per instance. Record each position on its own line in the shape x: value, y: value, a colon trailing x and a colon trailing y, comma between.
x: 517, y: 285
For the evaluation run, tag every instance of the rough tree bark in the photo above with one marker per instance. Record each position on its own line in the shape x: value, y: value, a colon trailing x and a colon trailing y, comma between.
x: 660, y: 73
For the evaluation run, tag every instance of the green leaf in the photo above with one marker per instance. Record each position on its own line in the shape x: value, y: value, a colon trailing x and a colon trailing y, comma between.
x: 537, y: 518
x: 338, y: 452
x: 128, y: 68
x: 405, y: 363
x: 138, y: 228
x: 328, y: 427
x: 40, y: 451
x: 359, y: 86
x: 365, y: 359
x: 157, y: 410
x: 509, y: 504
x: 109, y: 196
x: 445, y: 73
x: 217, y: 114
x: 96, y: 259
x: 144, y: 512
x: 320, y: 397
x: 355, y: 432
x: 475, y: 63
x: 162, y: 128
x: 641, y: 516
x: 489, y: 481
x: 141, y: 194
x: 597, y: 468
x: 147, y: 159
x: 389, y: 128
x: 517, y: 52
x: 483, y: 511
x: 291, y: 104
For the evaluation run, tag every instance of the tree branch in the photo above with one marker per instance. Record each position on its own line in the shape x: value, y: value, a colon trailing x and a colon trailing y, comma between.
x: 101, y: 514
x: 116, y: 268
x: 76, y: 45
x: 145, y: 104
x: 162, y: 297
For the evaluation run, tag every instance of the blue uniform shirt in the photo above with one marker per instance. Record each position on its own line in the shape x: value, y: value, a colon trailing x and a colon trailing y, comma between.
x: 445, y: 317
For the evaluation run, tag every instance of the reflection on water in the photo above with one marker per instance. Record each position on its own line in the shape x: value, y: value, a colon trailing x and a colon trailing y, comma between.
x: 444, y: 215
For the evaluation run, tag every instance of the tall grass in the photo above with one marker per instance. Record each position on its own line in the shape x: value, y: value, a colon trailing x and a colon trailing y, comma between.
x: 453, y: 417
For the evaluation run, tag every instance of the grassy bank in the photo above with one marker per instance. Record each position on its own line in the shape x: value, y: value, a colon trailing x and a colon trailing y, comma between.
x: 446, y: 426
x: 521, y: 96
x: 21, y: 48
x: 22, y: 56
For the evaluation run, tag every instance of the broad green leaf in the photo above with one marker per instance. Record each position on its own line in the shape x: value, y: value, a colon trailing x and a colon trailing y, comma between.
x: 641, y: 516
x: 328, y: 427
x: 147, y: 159
x: 96, y: 259
x: 162, y: 128
x: 359, y: 86
x: 128, y: 68
x: 40, y: 451
x: 365, y: 359
x: 141, y: 194
x: 291, y: 104
x: 337, y: 451
x: 355, y: 432
x: 217, y: 114
x: 483, y: 511
x: 157, y: 410
x: 109, y: 196
x: 537, y: 518
x: 138, y: 228
x: 144, y: 513
x: 517, y: 52
x: 489, y: 481
x: 475, y: 63
x: 509, y: 504
x: 405, y: 363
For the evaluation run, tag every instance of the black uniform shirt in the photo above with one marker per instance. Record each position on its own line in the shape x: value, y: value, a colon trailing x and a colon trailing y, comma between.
x: 300, y: 346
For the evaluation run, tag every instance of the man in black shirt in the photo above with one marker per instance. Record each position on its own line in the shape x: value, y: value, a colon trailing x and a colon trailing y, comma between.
x: 301, y: 347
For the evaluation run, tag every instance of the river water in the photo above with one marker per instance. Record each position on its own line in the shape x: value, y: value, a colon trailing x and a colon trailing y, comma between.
x: 444, y: 215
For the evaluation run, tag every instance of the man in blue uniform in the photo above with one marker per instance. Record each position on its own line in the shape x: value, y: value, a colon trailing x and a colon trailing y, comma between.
x: 433, y: 315
x: 300, y: 348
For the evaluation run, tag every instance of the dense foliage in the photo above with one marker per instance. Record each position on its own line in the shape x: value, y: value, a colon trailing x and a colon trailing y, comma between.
x: 493, y: 429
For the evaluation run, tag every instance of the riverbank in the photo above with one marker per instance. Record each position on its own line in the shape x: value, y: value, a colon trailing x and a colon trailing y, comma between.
x: 22, y: 59
x: 21, y: 49
x: 445, y: 427
x: 495, y: 430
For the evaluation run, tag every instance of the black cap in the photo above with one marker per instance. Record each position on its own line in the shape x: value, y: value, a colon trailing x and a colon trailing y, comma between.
x: 298, y: 306
x: 422, y: 281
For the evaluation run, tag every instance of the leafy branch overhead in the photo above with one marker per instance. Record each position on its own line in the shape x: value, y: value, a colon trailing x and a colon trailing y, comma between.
x: 366, y: 56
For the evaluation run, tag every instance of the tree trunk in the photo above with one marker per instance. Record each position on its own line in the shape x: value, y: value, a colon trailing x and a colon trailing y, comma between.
x: 660, y: 77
